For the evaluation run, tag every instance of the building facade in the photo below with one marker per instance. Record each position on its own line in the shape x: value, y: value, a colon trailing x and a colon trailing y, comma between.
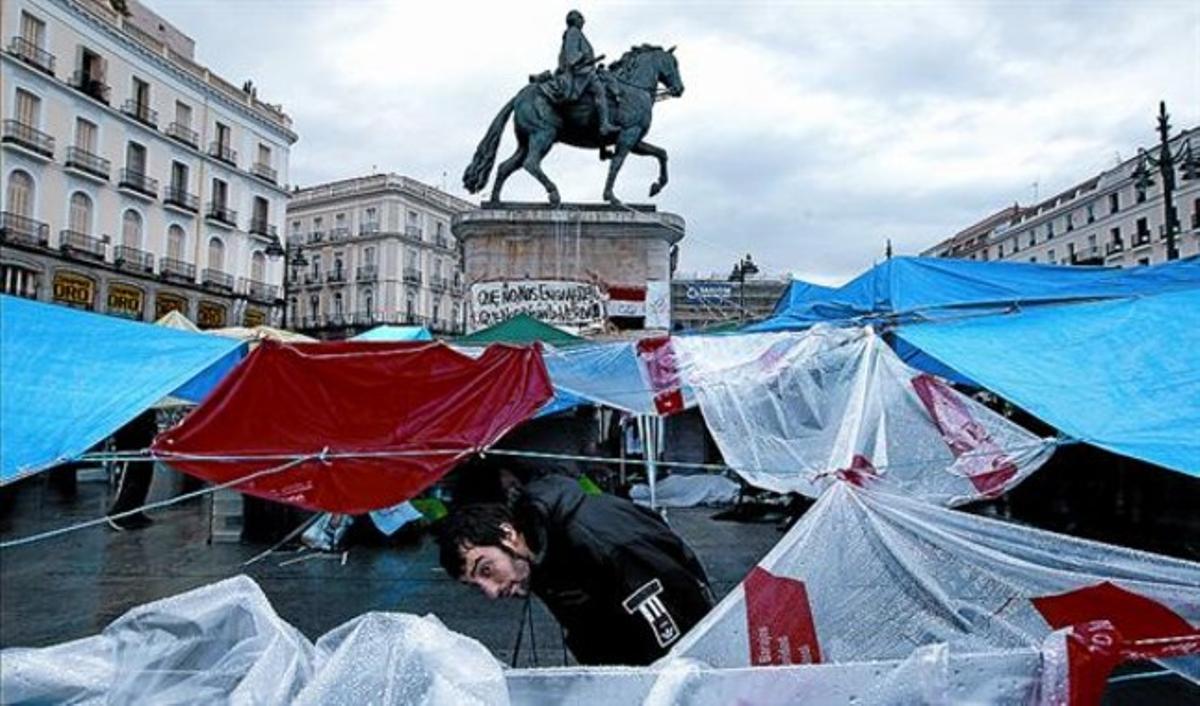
x: 1111, y: 219
x: 373, y: 250
x: 698, y: 303
x: 135, y: 181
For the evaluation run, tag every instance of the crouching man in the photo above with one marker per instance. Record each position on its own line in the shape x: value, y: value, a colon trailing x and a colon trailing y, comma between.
x: 623, y: 586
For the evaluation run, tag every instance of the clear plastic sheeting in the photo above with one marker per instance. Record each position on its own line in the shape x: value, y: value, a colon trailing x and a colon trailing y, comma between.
x: 688, y: 491
x: 866, y: 576
x: 793, y: 412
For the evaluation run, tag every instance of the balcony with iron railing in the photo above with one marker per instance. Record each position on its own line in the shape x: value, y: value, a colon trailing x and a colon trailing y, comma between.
x: 367, y: 318
x: 412, y: 232
x: 84, y: 161
x: 438, y: 283
x: 366, y: 273
x: 29, y: 137
x: 15, y: 228
x: 170, y: 267
x: 1114, y: 247
x: 368, y: 228
x: 339, y: 233
x: 183, y: 133
x: 312, y: 277
x: 1140, y: 238
x: 179, y: 197
x: 264, y: 172
x: 73, y: 243
x: 295, y: 240
x: 336, y: 276
x: 412, y: 275
x: 223, y: 152
x: 221, y: 213
x: 1196, y: 220
x: 137, y: 181
x: 90, y: 86
x: 260, y: 291
x: 216, y: 279
x: 130, y: 258
x: 32, y: 54
x: 316, y: 236
x: 441, y: 241
x: 260, y: 226
x: 140, y: 112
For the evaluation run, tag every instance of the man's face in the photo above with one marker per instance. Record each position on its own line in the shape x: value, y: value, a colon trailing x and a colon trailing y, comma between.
x: 499, y: 571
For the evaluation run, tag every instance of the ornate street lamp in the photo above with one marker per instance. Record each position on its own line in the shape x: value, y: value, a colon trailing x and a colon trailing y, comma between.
x: 1166, y: 162
x: 743, y: 267
x: 275, y: 250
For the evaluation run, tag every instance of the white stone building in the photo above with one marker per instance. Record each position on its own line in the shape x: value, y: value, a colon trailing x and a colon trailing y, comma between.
x: 135, y: 181
x: 1105, y: 220
x: 376, y: 249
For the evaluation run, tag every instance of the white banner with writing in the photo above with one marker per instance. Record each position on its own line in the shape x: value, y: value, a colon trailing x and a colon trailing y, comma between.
x: 556, y: 302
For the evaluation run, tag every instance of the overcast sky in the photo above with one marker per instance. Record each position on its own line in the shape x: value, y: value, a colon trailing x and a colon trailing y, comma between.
x: 809, y: 132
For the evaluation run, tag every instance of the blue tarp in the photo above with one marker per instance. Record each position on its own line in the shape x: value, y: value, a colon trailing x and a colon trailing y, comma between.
x: 395, y: 333
x: 69, y: 379
x: 1121, y: 374
x: 908, y: 285
x: 800, y: 292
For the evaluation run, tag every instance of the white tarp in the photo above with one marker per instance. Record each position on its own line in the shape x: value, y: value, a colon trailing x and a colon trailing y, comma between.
x: 792, y: 412
x: 688, y: 491
x: 866, y: 575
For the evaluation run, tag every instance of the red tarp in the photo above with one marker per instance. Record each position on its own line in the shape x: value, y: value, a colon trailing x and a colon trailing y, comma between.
x: 351, y: 397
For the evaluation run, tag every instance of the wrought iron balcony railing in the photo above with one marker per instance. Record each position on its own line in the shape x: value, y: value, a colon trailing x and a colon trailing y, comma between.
x: 130, y: 258
x: 413, y: 232
x: 85, y: 161
x: 177, y: 196
x: 258, y: 290
x: 368, y: 228
x: 29, y: 137
x: 218, y: 211
x: 183, y: 133
x: 139, y: 182
x: 412, y: 275
x: 260, y: 226
x: 31, y: 53
x: 15, y: 228
x: 316, y: 236
x: 174, y: 267
x: 1114, y: 247
x: 335, y: 276
x: 264, y: 171
x: 438, y: 283
x: 90, y: 86
x: 223, y: 152
x: 339, y: 233
x: 366, y: 273
x: 218, y: 279
x: 75, y: 243
x: 140, y: 112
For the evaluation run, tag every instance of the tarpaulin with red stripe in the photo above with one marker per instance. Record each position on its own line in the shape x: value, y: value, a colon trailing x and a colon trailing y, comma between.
x: 381, y: 421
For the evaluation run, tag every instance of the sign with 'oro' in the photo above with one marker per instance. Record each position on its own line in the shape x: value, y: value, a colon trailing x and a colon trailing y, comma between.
x: 556, y: 302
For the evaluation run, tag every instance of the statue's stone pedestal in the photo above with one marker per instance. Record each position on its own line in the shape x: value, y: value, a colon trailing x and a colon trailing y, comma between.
x: 509, y: 248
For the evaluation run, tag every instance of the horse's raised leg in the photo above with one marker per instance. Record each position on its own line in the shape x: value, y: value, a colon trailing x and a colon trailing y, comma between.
x: 646, y: 149
x: 539, y: 144
x: 507, y: 167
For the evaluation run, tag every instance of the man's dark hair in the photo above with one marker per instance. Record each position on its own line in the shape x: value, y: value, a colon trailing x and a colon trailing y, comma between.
x: 469, y: 526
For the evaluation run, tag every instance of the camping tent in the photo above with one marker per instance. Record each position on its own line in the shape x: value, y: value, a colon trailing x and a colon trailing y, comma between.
x: 395, y: 333
x: 72, y: 378
x: 520, y: 330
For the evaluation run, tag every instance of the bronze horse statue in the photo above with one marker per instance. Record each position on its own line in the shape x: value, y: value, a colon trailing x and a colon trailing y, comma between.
x: 539, y: 123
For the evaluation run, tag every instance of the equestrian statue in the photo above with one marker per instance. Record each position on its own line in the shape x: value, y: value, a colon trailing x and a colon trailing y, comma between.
x: 582, y: 104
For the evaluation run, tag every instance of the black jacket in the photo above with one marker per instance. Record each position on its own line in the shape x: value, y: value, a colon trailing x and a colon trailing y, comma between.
x: 623, y: 586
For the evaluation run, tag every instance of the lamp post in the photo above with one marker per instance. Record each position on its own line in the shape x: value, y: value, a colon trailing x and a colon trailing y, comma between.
x: 276, y: 250
x: 1166, y: 162
x: 741, y: 268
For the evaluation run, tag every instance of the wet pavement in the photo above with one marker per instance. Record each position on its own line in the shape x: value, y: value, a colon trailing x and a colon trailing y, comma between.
x: 72, y: 586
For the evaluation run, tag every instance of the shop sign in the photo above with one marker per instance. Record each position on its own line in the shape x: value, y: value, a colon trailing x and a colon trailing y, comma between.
x: 74, y: 289
x: 166, y: 302
x: 211, y: 315
x: 708, y: 292
x: 125, y: 300
x: 254, y: 317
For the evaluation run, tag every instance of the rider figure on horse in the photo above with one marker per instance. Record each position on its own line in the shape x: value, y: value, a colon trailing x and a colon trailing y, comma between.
x: 578, y: 74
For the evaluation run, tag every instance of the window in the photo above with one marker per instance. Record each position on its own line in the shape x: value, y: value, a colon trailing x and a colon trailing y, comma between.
x: 1143, y: 261
x: 175, y: 239
x: 33, y: 30
x: 1091, y: 213
x: 436, y: 305
x: 414, y: 218
x: 337, y: 304
x: 1139, y: 194
x: 371, y: 219
x: 261, y: 217
x: 141, y: 96
x: 1033, y: 259
x: 220, y: 193
x: 28, y: 108
x: 1071, y: 252
x: 223, y: 135
x: 20, y: 194
x: 409, y: 305
x: 1000, y: 251
x: 1114, y: 202
x: 258, y: 266
x: 80, y: 218
x: 19, y: 281
x: 1115, y: 234
x: 296, y: 227
x: 368, y: 301
x: 318, y: 223
x: 1092, y: 242
x: 85, y: 135
x: 1050, y: 256
x: 1049, y: 230
x: 131, y: 229
x: 1032, y: 238
x: 369, y: 256
x: 216, y: 254
x: 135, y: 158
x: 314, y: 306
x: 179, y: 176
x: 316, y: 266
x: 1070, y: 222
x: 1143, y: 230
x: 1016, y: 245
x: 91, y: 67
x: 339, y: 223
x: 183, y: 114
x: 264, y: 155
x: 337, y: 265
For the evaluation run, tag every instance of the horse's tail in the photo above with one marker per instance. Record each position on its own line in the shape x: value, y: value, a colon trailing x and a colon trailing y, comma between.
x: 476, y: 175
